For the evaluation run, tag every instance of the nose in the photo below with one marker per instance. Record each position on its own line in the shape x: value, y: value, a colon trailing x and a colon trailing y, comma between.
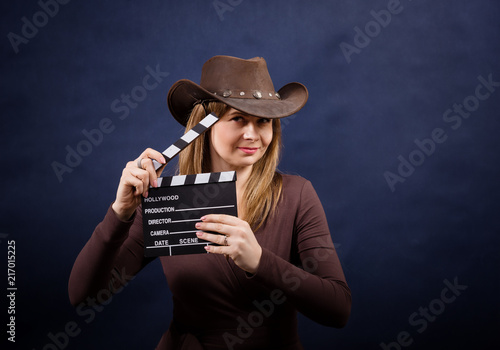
x: 250, y: 132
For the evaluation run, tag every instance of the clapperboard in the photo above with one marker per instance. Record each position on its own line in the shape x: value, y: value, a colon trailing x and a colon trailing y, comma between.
x: 172, y: 209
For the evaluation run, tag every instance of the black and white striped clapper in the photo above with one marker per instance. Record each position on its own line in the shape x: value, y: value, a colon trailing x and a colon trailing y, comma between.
x: 187, y: 138
x: 171, y: 210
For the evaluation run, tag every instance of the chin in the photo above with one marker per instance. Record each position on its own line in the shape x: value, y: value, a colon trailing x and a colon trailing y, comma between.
x: 245, y: 162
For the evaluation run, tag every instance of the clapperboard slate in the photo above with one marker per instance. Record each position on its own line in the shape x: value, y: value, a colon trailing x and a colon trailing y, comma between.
x: 172, y: 209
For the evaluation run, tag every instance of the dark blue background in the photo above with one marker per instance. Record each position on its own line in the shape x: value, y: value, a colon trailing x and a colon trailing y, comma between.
x: 397, y: 247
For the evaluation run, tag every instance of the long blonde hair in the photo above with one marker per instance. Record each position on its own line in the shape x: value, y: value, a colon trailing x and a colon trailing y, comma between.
x: 264, y: 185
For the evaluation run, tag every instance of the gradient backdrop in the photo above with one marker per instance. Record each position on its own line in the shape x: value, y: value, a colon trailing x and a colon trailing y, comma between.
x: 399, y: 138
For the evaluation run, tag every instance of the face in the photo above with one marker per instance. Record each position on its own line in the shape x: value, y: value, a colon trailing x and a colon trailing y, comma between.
x: 239, y: 140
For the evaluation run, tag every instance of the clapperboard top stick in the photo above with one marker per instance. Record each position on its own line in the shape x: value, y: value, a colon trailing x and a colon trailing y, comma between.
x: 197, y: 179
x: 186, y: 139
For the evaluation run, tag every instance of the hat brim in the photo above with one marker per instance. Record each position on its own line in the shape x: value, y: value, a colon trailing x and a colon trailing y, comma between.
x: 184, y: 94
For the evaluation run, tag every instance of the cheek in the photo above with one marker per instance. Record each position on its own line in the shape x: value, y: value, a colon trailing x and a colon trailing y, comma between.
x: 221, y: 139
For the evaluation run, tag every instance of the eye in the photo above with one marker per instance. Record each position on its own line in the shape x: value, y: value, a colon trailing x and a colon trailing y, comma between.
x: 237, y: 118
x: 264, y: 120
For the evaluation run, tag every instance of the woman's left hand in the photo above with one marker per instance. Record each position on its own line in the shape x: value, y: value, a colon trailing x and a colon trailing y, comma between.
x: 236, y: 240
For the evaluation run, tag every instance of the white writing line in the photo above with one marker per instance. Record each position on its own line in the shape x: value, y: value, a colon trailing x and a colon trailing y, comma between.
x: 177, y: 245
x: 174, y: 221
x: 221, y: 206
x: 179, y: 232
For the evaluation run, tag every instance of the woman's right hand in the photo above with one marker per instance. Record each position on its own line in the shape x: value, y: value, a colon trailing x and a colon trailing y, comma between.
x: 135, y: 183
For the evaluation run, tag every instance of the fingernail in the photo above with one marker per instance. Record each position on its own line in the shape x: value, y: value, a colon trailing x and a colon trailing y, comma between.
x: 207, y: 248
x: 198, y: 225
x: 155, y: 183
x: 146, y: 195
x: 199, y: 234
x: 203, y: 218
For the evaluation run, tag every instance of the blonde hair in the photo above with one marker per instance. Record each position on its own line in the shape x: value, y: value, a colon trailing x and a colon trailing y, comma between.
x: 264, y: 185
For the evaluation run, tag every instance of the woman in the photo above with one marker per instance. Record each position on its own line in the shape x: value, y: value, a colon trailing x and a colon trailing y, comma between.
x: 274, y: 259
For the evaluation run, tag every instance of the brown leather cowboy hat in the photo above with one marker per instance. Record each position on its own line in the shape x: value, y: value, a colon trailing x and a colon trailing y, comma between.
x: 242, y: 84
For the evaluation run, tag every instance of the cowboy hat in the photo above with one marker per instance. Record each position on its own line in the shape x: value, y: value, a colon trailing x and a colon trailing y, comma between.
x: 242, y: 84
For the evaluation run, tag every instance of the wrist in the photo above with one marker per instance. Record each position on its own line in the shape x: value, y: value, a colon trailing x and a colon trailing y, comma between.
x: 122, y: 213
x: 255, y: 266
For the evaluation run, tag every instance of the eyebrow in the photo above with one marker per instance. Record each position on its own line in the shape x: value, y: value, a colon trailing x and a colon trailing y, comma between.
x: 235, y: 111
x: 240, y: 113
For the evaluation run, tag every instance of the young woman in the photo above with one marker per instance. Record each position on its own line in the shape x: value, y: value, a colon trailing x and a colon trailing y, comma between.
x: 274, y: 259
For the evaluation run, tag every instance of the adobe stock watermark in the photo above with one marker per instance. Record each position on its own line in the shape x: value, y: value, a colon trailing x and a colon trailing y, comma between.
x: 286, y: 121
x: 3, y: 236
x: 88, y: 309
x: 94, y: 137
x: 454, y: 116
x: 421, y: 318
x: 31, y: 26
x: 372, y: 29
x: 266, y: 308
x: 222, y: 6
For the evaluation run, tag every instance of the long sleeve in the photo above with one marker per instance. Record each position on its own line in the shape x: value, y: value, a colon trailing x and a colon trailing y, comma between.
x: 318, y: 289
x: 211, y: 295
x: 110, y: 259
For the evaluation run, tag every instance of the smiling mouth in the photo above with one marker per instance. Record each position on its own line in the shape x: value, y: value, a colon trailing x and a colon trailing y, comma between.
x: 249, y: 150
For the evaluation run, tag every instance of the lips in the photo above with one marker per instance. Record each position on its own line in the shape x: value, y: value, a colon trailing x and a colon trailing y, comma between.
x: 248, y: 150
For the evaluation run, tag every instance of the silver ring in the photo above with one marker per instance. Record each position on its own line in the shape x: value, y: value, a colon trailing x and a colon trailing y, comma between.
x: 139, y: 164
x: 225, y: 241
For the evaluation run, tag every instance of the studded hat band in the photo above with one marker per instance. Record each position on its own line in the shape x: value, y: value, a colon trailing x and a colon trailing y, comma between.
x: 255, y: 94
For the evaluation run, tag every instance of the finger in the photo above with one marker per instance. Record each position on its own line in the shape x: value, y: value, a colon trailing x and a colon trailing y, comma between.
x: 141, y: 175
x: 150, y: 153
x: 214, y: 238
x: 148, y: 156
x: 133, y: 182
x: 147, y: 164
x: 218, y: 250
x: 221, y: 219
x: 215, y: 227
x: 132, y: 164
